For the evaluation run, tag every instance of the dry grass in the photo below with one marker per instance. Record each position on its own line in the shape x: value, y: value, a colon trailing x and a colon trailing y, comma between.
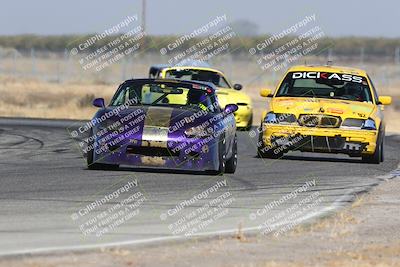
x: 337, y: 226
x: 34, y: 99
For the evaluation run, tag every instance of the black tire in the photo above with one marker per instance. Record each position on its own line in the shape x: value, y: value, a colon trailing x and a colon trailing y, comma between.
x: 230, y: 166
x: 377, y: 157
x: 264, y: 152
x: 221, y: 159
x: 260, y: 147
x: 90, y: 163
x: 249, y: 124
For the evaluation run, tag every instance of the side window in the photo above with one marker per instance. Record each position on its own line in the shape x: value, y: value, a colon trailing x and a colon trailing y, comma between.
x: 374, y: 92
x: 133, y: 95
x: 120, y: 100
x: 284, y: 88
x: 223, y: 82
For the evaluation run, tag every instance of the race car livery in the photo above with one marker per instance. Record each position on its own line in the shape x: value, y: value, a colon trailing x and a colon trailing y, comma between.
x: 226, y: 92
x: 145, y: 127
x: 324, y: 109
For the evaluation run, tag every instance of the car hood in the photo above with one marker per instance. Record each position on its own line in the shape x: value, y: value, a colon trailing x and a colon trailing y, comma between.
x: 232, y: 96
x: 173, y: 119
x: 335, y: 107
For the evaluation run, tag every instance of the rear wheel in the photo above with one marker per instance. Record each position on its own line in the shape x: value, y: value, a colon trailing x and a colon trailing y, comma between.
x: 230, y: 166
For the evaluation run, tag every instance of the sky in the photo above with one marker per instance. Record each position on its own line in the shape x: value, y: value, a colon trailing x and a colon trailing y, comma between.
x: 337, y: 18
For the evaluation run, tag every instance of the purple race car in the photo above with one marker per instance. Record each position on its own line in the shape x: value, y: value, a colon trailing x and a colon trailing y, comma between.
x: 169, y: 124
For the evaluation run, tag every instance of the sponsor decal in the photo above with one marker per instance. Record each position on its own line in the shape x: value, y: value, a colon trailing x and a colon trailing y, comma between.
x: 335, y: 110
x: 327, y: 75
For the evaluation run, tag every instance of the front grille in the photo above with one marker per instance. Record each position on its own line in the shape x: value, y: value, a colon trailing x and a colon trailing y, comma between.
x: 322, y: 142
x: 329, y: 121
x: 335, y: 144
x: 324, y: 121
x: 309, y: 120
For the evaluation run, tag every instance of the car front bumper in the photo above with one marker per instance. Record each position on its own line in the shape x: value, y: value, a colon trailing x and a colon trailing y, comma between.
x: 332, y: 140
x: 243, y: 116
x: 197, y: 156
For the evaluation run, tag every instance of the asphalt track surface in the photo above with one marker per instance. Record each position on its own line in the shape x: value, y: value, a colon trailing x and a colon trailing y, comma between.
x: 44, y: 182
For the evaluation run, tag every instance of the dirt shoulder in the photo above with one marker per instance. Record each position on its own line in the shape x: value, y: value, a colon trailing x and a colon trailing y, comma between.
x: 364, y: 234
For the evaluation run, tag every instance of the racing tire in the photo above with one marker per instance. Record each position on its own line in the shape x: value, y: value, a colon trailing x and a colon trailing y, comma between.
x: 264, y: 152
x: 249, y: 124
x: 378, y: 155
x: 230, y: 166
x: 221, y: 159
x: 269, y: 154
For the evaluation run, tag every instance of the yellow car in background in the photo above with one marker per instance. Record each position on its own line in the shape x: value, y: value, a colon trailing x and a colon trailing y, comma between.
x: 226, y: 92
x: 324, y: 109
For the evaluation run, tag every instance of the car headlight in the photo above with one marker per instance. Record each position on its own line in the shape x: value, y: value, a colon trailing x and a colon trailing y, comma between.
x: 198, y: 132
x: 369, y: 125
x: 281, y: 118
x: 353, y: 123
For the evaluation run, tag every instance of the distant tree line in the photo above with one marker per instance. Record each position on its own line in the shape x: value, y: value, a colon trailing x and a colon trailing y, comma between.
x: 346, y: 46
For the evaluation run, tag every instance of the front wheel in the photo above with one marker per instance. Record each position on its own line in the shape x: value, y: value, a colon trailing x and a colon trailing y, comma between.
x: 221, y: 159
x: 230, y: 166
x: 377, y: 157
x: 266, y: 152
x: 249, y: 123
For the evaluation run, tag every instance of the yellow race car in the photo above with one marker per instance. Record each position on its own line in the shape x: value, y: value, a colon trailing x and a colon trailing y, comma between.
x: 226, y: 92
x: 324, y: 109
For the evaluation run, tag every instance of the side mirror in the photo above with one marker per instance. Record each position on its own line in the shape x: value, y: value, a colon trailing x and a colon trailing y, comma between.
x: 266, y: 93
x: 237, y: 86
x: 230, y: 108
x: 385, y: 100
x: 99, y: 102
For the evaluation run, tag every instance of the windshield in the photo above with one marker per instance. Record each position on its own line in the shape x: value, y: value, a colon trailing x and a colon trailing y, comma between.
x: 197, y: 75
x: 325, y: 85
x: 191, y: 96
